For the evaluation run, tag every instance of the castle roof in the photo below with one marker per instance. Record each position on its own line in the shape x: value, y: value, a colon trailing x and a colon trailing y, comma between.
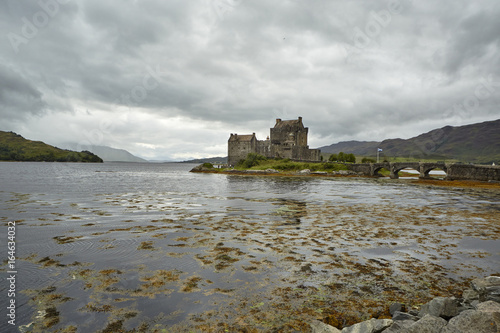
x: 244, y: 137
x: 289, y: 123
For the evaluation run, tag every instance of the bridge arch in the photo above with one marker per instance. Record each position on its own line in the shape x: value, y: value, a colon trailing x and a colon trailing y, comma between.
x: 426, y: 168
x: 396, y: 167
x: 376, y: 167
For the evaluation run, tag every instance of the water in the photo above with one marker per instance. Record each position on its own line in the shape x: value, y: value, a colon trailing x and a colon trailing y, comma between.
x: 122, y: 246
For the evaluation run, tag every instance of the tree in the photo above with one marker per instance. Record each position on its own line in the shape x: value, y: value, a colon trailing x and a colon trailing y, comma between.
x: 251, y: 160
x: 333, y: 158
x: 350, y: 158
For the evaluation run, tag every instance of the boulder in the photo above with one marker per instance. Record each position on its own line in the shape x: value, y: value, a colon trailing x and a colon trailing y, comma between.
x: 369, y: 326
x: 396, y: 307
x: 272, y: 171
x: 428, y: 324
x: 444, y: 307
x: 399, y: 326
x: 488, y: 306
x: 304, y: 172
x: 403, y: 316
x: 473, y: 321
x: 470, y: 295
x: 320, y: 327
x: 488, y: 288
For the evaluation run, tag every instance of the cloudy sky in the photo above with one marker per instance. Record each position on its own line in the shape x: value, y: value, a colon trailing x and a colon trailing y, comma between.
x: 171, y: 79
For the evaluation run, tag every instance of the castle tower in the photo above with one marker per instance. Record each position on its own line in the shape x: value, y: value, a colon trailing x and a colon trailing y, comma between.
x: 288, y: 139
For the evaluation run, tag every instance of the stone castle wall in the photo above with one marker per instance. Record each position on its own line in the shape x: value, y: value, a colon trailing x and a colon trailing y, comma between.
x: 288, y: 140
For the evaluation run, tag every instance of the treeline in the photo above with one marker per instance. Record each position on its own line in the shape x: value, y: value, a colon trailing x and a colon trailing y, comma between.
x: 348, y: 158
x: 342, y: 157
x: 14, y: 147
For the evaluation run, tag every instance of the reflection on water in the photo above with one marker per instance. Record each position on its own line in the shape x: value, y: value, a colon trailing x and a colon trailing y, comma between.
x: 122, y: 246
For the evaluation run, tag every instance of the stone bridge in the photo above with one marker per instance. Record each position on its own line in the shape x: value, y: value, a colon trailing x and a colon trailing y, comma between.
x: 455, y: 171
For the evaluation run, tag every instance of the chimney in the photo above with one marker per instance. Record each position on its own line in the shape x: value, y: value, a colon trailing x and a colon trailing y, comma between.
x: 300, y: 119
x: 278, y: 120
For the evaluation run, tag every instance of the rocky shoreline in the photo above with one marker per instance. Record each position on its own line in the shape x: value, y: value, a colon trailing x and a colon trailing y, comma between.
x: 273, y: 172
x: 478, y: 311
x: 345, y: 173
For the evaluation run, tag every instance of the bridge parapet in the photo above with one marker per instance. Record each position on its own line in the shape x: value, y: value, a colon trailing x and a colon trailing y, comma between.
x: 372, y: 169
x: 473, y: 172
x: 454, y: 171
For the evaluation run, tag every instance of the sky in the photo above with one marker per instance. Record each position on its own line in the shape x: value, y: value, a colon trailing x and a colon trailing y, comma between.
x: 170, y: 80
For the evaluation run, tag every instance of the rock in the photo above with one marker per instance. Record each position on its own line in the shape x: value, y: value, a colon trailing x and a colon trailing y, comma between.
x: 399, y: 326
x: 493, y: 308
x: 473, y: 321
x: 320, y: 327
x: 445, y: 307
x: 304, y: 172
x: 488, y: 306
x: 470, y: 295
x: 403, y: 316
x: 396, y: 307
x: 322, y: 173
x: 413, y: 312
x: 488, y: 288
x: 272, y: 171
x: 369, y: 326
x: 428, y: 324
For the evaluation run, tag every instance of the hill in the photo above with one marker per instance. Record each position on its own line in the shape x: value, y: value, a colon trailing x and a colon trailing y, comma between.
x: 476, y: 143
x: 109, y: 154
x: 362, y: 148
x: 14, y: 147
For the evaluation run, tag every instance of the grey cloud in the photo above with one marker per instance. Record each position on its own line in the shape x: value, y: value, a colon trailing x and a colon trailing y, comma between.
x: 247, y: 62
x: 475, y: 35
x: 18, y: 96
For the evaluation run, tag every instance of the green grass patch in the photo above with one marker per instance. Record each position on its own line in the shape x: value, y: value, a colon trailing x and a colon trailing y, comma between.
x: 258, y: 162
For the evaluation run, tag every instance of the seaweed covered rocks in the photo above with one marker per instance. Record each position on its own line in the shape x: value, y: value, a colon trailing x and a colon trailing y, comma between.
x: 477, y: 311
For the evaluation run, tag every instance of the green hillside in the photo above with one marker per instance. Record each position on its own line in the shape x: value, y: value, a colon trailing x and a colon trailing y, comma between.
x: 14, y: 147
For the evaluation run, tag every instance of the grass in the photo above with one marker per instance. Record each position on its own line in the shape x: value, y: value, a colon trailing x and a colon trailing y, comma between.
x: 257, y: 162
x: 288, y: 165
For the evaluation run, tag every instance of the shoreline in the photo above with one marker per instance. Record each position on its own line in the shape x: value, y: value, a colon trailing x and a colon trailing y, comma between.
x: 351, y: 174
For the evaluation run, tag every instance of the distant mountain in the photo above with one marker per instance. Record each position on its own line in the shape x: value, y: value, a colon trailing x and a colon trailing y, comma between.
x: 222, y: 160
x: 109, y: 154
x: 13, y: 147
x: 362, y: 148
x: 476, y: 143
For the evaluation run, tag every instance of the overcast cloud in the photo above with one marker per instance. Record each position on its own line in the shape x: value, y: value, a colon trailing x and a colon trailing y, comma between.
x: 172, y: 79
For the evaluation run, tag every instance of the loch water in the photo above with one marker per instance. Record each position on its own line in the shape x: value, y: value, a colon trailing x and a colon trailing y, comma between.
x: 152, y: 247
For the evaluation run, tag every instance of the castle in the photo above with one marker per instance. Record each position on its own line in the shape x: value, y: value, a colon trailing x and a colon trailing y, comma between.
x: 288, y: 140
